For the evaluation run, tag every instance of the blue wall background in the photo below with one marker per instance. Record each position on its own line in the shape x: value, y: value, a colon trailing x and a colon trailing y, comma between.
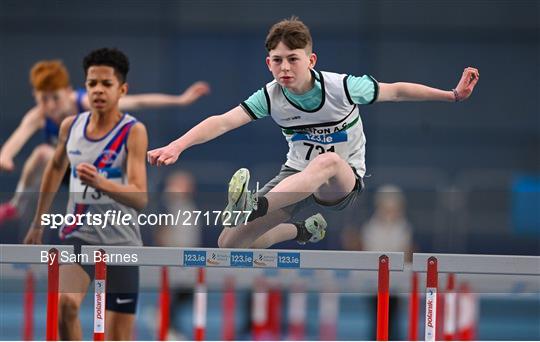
x: 456, y: 162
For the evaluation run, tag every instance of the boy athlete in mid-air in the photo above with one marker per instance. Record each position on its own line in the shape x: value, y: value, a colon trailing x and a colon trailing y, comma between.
x: 106, y: 150
x: 318, y: 113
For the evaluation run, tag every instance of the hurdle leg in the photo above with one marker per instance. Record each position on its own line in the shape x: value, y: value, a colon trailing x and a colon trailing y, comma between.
x: 28, y: 325
x: 229, y: 308
x: 328, y: 314
x: 274, y: 313
x: 164, y: 305
x: 467, y: 314
x: 99, y: 298
x: 431, y: 299
x: 297, y: 307
x: 413, y: 309
x: 383, y: 299
x: 52, y: 297
x: 199, y: 311
x: 450, y: 303
x: 259, y: 310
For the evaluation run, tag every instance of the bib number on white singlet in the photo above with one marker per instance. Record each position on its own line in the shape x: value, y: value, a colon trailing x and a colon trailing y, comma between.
x: 310, y: 146
x: 317, y: 148
x: 85, y: 194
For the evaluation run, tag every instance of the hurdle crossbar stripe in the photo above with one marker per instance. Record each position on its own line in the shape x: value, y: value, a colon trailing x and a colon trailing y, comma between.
x: 479, y: 264
x: 28, y: 254
x: 248, y: 258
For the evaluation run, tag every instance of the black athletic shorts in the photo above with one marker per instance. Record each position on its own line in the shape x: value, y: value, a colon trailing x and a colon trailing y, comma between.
x: 122, y: 282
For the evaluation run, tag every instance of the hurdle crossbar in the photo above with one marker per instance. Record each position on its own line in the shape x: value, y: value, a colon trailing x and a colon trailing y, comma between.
x: 247, y: 258
x: 479, y: 264
x: 28, y: 254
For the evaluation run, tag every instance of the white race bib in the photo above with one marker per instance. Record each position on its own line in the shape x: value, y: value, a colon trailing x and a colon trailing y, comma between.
x: 307, y: 146
x: 85, y: 194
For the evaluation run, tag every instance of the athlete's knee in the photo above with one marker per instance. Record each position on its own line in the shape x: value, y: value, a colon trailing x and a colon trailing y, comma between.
x: 224, y: 240
x: 42, y: 153
x: 69, y: 308
x: 327, y: 161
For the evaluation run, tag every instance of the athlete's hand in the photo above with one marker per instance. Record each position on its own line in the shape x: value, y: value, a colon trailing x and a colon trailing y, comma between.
x: 165, y: 155
x: 466, y: 85
x: 6, y: 164
x: 192, y: 93
x: 88, y: 174
x: 34, y: 236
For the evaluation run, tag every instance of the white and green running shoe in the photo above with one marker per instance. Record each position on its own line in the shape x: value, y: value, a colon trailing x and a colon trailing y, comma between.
x: 316, y: 226
x: 241, y: 201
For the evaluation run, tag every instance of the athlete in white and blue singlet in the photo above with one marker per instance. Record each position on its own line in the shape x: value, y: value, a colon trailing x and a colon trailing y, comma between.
x: 106, y: 151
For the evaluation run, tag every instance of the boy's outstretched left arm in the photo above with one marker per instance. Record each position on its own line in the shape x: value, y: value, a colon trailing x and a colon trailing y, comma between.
x: 402, y: 91
x: 157, y: 100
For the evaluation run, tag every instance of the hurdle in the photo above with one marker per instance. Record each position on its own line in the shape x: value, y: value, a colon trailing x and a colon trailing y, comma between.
x: 286, y: 260
x: 32, y: 254
x: 265, y: 258
x: 454, y: 264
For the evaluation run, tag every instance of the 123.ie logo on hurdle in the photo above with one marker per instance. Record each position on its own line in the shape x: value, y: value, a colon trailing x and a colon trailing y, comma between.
x: 194, y: 258
x: 242, y: 259
x: 288, y: 260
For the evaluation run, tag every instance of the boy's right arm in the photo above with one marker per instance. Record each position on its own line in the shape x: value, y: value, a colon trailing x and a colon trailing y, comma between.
x: 33, y: 120
x: 52, y: 177
x: 207, y: 130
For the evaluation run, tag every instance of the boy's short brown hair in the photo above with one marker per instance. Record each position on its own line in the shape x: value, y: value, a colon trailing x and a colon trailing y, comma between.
x: 292, y: 32
x: 49, y: 76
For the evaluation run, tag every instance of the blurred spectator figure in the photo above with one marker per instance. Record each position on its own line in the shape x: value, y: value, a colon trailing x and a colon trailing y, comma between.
x: 387, y: 230
x: 178, y: 197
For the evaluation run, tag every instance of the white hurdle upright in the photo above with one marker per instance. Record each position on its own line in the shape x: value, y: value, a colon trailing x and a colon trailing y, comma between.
x: 266, y: 258
x: 434, y: 264
x: 40, y: 254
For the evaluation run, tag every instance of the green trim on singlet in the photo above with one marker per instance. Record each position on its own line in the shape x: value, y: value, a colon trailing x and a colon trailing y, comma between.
x: 352, y: 123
